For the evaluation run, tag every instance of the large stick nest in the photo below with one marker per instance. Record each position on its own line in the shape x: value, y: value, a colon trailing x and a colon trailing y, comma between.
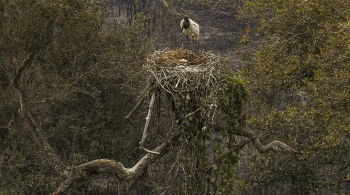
x: 193, y: 79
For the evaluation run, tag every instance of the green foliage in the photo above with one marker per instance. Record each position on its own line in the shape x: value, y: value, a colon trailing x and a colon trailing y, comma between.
x: 207, y: 143
x: 298, y: 79
x: 236, y: 95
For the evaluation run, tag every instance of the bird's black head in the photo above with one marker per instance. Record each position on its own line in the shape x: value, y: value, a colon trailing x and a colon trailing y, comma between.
x: 186, y: 23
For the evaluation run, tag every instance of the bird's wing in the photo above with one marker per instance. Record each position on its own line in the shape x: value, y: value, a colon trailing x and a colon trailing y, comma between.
x: 195, y: 29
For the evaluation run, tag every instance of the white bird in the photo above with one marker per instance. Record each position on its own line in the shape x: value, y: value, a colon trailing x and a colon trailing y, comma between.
x: 190, y: 28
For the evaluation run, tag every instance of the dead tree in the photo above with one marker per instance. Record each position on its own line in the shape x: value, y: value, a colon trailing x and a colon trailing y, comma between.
x: 194, y: 88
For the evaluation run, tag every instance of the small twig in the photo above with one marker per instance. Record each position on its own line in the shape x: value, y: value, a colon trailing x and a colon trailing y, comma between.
x: 191, y: 113
x: 135, y: 108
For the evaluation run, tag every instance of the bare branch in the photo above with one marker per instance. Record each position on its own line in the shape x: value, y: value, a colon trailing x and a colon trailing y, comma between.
x: 124, y: 175
x: 89, y: 168
x: 149, y: 151
x: 151, y: 104
x: 139, y: 103
x: 274, y: 145
x: 30, y: 121
x: 148, y: 118
x: 243, y: 131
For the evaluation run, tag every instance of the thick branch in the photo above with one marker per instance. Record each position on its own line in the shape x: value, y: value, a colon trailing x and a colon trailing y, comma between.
x: 274, y: 145
x: 30, y: 121
x: 89, y: 168
x: 110, y: 166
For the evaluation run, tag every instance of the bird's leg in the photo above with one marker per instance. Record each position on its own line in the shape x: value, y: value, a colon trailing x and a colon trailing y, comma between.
x: 194, y: 46
x: 188, y: 44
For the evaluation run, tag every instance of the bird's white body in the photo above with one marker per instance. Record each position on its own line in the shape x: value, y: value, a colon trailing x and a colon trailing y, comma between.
x: 192, y: 30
